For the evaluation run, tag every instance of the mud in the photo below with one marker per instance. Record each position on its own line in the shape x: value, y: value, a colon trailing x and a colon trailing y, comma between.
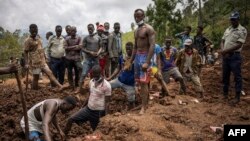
x: 165, y: 119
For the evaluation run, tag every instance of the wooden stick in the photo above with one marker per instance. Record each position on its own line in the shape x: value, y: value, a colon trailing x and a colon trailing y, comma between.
x: 27, y: 79
x: 24, y: 107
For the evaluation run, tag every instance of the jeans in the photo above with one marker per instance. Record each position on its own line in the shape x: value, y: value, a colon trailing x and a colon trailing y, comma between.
x: 35, y: 136
x: 58, y: 68
x: 232, y: 64
x: 88, y: 64
x: 76, y: 65
x: 130, y: 90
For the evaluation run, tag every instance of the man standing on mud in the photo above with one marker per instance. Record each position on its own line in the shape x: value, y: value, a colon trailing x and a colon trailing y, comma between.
x: 142, y: 54
x: 73, y: 48
x: 43, y: 113
x: 104, y: 53
x: 231, y: 46
x: 115, y: 47
x: 92, y: 47
x: 56, y: 53
x: 168, y: 68
x: 34, y: 54
x: 189, y: 63
x: 201, y: 44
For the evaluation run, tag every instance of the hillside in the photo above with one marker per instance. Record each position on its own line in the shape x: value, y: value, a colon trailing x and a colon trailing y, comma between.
x: 166, y: 119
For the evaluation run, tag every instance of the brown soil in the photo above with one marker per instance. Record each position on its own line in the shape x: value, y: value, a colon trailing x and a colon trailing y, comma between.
x: 165, y: 119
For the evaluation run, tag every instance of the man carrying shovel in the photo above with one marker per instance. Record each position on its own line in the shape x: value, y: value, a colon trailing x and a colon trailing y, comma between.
x: 35, y: 58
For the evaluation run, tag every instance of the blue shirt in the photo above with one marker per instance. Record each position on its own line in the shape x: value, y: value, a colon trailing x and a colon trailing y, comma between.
x: 183, y: 38
x: 126, y: 76
x: 157, y: 50
x: 168, y: 58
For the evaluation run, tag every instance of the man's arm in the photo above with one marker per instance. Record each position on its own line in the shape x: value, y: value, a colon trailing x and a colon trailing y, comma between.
x: 50, y: 109
x: 110, y: 44
x: 208, y: 42
x: 115, y: 73
x: 101, y: 47
x: 55, y: 123
x: 158, y: 60
x: 67, y: 47
x: 178, y: 60
x: 48, y: 49
x: 151, y: 37
x: 80, y: 45
x: 179, y: 35
x: 107, y: 97
x: 231, y: 50
x: 134, y: 48
x: 10, y: 69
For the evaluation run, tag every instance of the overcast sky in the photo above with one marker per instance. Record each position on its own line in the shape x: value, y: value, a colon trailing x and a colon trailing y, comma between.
x: 19, y: 14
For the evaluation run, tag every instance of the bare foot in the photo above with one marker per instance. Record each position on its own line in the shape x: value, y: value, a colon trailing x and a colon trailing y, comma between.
x: 79, y: 90
x: 142, y: 111
x: 62, y: 88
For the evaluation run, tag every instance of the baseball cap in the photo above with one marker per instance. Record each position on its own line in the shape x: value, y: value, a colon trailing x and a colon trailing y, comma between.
x: 235, y: 15
x: 188, y: 42
x: 100, y: 27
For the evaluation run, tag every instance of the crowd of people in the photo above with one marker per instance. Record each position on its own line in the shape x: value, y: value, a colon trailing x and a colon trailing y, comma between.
x: 100, y: 56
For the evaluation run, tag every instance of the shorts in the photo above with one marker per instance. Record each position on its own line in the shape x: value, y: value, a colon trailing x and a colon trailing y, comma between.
x: 173, y: 72
x: 39, y: 70
x: 140, y: 75
x: 35, y: 136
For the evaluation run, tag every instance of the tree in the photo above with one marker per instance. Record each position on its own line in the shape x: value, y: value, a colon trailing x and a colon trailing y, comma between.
x: 161, y: 15
x: 9, y: 46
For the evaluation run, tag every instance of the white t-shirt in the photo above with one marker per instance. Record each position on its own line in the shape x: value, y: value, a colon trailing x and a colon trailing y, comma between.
x: 97, y: 94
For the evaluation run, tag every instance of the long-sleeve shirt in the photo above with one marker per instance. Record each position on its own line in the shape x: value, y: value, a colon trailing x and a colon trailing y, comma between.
x: 115, y: 45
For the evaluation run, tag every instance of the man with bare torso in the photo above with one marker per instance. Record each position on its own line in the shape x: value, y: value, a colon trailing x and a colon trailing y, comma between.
x: 142, y: 54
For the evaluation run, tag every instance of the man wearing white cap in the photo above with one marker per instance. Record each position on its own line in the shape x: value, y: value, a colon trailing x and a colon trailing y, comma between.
x: 189, y: 64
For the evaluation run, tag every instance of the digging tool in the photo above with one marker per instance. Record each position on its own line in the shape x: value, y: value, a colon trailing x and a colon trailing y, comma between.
x: 24, y: 106
x: 27, y: 81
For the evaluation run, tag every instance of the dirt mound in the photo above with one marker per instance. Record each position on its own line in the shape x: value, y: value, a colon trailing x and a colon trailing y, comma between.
x: 183, y: 117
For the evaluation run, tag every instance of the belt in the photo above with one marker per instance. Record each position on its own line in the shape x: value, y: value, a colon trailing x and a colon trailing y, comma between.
x: 233, y: 53
x: 56, y: 58
x: 236, y: 52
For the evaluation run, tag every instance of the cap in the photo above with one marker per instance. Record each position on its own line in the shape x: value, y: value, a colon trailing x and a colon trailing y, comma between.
x: 100, y: 27
x: 235, y: 15
x: 188, y: 42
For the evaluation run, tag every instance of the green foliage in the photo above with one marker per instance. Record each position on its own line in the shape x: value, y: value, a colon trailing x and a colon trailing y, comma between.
x: 162, y: 15
x: 9, y: 46
x: 127, y: 37
x: 166, y: 19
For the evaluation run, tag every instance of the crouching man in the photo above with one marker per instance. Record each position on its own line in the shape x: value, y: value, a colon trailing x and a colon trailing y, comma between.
x: 97, y: 103
x: 125, y: 79
x: 43, y: 113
